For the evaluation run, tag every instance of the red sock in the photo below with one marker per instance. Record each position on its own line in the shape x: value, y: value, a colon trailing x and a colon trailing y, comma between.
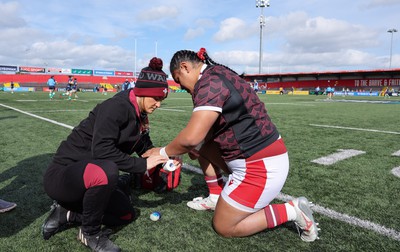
x: 215, y: 184
x: 276, y: 215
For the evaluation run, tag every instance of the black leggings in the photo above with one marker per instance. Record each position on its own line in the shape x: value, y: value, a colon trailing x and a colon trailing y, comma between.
x: 89, y: 190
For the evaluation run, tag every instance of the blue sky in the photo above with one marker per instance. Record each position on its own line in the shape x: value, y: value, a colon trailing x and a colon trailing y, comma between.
x: 299, y: 36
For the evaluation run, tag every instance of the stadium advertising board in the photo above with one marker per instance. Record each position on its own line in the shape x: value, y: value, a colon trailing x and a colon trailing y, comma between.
x: 348, y: 83
x: 8, y: 68
x: 82, y: 71
x: 123, y: 73
x: 341, y: 93
x: 24, y: 69
x: 54, y: 70
x: 377, y: 83
x: 20, y: 89
x: 66, y: 70
x: 103, y: 72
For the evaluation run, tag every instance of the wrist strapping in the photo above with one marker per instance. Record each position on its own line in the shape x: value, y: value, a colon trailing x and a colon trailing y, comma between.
x: 163, y: 152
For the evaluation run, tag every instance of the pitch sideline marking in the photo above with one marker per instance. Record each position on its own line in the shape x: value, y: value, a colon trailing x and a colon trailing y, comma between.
x: 396, y: 171
x: 338, y: 156
x: 39, y: 117
x: 175, y: 110
x: 351, y: 128
x: 397, y: 153
x: 58, y: 110
x: 391, y: 233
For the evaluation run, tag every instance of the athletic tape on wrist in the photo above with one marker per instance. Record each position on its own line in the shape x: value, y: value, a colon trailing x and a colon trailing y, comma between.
x: 163, y: 152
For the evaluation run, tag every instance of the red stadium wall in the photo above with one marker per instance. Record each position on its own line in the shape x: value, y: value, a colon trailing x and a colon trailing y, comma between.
x: 84, y: 81
x: 352, y: 84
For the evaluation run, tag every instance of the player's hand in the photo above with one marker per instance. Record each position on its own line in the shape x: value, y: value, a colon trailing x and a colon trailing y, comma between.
x: 177, y: 161
x: 154, y: 160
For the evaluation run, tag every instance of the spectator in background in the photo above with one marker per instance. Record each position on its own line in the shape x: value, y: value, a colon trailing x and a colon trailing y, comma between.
x: 329, y: 92
x: 68, y: 87
x: 51, y: 83
x: 317, y: 89
x: 12, y: 87
x: 104, y: 90
x: 132, y: 84
x: 74, y: 89
x: 125, y: 85
x: 255, y: 86
x: 6, y: 206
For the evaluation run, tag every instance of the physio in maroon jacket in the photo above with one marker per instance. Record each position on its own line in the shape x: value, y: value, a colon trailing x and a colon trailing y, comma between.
x: 82, y: 178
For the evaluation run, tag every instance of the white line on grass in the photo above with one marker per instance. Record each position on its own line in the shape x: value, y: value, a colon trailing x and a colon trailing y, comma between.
x: 391, y: 233
x: 176, y: 110
x: 351, y: 128
x: 397, y: 153
x: 58, y: 110
x: 338, y: 156
x: 291, y: 103
x: 39, y: 117
x: 396, y: 171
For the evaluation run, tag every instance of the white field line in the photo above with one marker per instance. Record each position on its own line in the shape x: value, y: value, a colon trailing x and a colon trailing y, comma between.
x: 391, y: 233
x: 38, y: 117
x: 338, y: 156
x: 57, y: 100
x: 397, y: 154
x: 176, y: 110
x: 396, y: 171
x: 388, y: 232
x: 351, y: 128
x: 291, y: 103
x: 57, y: 111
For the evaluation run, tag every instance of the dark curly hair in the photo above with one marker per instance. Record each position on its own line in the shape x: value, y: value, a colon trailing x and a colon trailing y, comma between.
x: 191, y: 56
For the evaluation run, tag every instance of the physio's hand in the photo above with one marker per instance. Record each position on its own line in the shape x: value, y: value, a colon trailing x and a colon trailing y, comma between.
x: 152, y: 151
x: 154, y: 160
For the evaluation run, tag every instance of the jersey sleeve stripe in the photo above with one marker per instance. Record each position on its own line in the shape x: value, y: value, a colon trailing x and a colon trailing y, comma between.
x: 208, y: 108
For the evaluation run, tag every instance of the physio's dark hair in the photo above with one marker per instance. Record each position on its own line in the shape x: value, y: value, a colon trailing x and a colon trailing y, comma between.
x: 191, y: 56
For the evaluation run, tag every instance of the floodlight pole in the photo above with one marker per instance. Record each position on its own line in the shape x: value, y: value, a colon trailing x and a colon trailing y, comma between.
x: 261, y: 4
x: 391, y: 45
x: 134, y: 71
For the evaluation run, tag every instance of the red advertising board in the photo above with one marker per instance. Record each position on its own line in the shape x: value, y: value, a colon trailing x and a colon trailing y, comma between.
x: 122, y: 73
x: 25, y: 69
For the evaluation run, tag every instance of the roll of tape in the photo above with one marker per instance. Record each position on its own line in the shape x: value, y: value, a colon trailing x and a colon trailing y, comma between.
x: 170, y: 166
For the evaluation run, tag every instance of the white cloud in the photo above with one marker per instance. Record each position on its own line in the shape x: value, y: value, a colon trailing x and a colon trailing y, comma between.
x: 379, y: 3
x: 9, y: 15
x: 157, y: 13
x: 233, y: 29
x: 306, y: 34
x: 194, y: 33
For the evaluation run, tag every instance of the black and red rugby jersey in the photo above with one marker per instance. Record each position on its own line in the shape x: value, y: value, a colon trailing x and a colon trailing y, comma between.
x: 243, y: 127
